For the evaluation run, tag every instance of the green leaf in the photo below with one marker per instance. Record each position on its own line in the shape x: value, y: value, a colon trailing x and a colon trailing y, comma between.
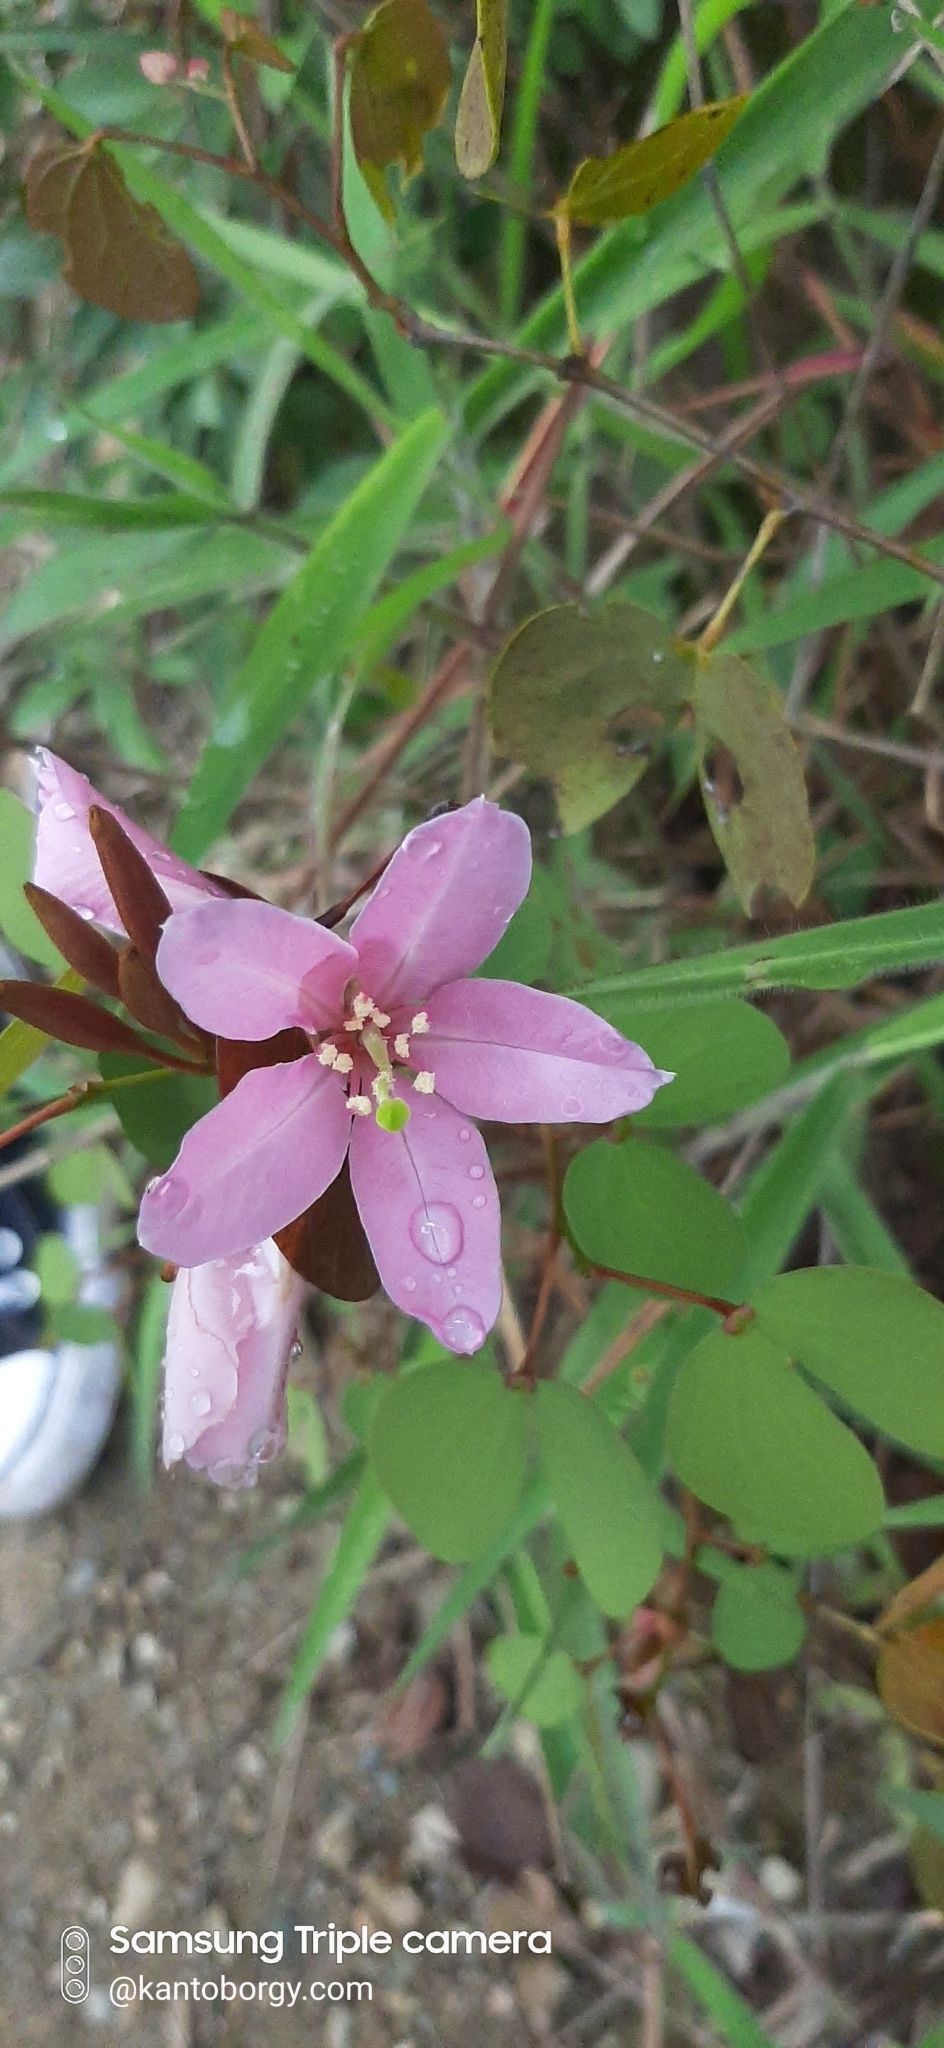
x: 400, y: 80
x: 522, y: 952
x: 90, y: 1175
x: 57, y: 1269
x: 927, y: 1808
x: 449, y: 1445
x: 723, y: 1055
x: 17, y: 845
x: 639, y: 1209
x: 753, y: 1441
x: 75, y: 1322
x: 876, y: 1340
x: 363, y: 1532
x: 309, y: 630
x: 584, y: 701
x: 115, y: 515
x: 556, y: 1693
x: 479, y: 115
x: 756, y: 1622
x: 859, y: 594
x: 476, y: 1576
x: 608, y: 1509
x: 185, y: 471
x: 725, y: 2006
x: 781, y: 1192
x: 833, y: 956
x: 147, y: 1360
x: 156, y: 1115
x: 606, y: 189
x: 752, y: 780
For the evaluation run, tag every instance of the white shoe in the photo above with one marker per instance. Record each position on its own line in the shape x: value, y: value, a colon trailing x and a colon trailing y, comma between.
x: 56, y: 1407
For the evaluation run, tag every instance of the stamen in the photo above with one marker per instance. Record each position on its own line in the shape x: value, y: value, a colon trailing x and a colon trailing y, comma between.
x: 420, y: 1023
x: 381, y: 1019
x: 401, y: 1046
x: 425, y: 1084
x: 329, y: 1056
x: 363, y: 1007
x: 360, y: 1105
x: 354, y: 1024
x: 343, y: 1063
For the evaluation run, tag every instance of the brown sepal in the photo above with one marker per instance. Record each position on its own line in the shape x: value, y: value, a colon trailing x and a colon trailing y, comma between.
x: 138, y: 897
x: 72, y: 1019
x: 237, y: 1056
x: 146, y: 998
x: 80, y: 944
x: 327, y: 1246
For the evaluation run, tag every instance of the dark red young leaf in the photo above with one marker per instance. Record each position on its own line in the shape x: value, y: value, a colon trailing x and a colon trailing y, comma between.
x: 138, y: 897
x: 328, y: 1247
x: 80, y: 944
x: 237, y: 1056
x: 72, y: 1019
x: 145, y: 997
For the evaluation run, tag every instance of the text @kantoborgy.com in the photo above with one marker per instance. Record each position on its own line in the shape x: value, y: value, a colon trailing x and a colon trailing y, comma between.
x: 272, y: 1991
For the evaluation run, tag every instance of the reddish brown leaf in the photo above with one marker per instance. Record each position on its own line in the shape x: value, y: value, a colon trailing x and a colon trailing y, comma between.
x: 327, y: 1245
x: 139, y: 899
x: 72, y: 1019
x: 414, y: 1715
x: 910, y: 1679
x: 145, y: 997
x: 119, y: 253
x: 80, y: 944
x: 499, y: 1815
x: 237, y: 1056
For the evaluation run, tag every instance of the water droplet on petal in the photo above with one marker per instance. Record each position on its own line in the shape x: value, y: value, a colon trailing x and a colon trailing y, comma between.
x: 478, y: 1202
x: 175, y: 1445
x: 409, y: 1283
x: 463, y: 1330
x: 63, y: 810
x: 195, y: 1372
x: 263, y: 1446
x: 297, y: 1348
x: 464, y: 1135
x: 201, y: 1404
x: 476, y: 1173
x: 572, y: 1105
x: 436, y: 1231
x: 450, y: 1272
x: 169, y: 1196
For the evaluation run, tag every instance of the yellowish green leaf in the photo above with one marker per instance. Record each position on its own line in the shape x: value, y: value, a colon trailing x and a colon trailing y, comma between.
x: 910, y: 1679
x: 752, y: 780
x: 400, y: 79
x: 478, y: 120
x: 605, y: 189
x: 248, y: 40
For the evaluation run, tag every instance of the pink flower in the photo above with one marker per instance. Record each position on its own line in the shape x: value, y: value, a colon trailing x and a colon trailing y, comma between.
x: 66, y: 861
x: 405, y: 1048
x: 198, y: 70
x: 230, y: 1332
x: 158, y: 66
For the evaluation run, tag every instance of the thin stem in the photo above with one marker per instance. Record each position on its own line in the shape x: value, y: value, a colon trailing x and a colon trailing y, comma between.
x: 514, y: 227
x: 646, y: 1286
x: 234, y: 104
x: 716, y: 625
x: 81, y: 1091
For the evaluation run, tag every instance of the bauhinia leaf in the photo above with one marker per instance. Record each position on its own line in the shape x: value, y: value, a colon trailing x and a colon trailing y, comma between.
x: 248, y: 40
x: 478, y: 120
x: 605, y: 189
x: 584, y: 700
x: 119, y: 253
x: 752, y: 780
x: 400, y: 79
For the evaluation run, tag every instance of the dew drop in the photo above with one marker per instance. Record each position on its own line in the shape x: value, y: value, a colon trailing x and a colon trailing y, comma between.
x: 436, y: 1231
x: 463, y: 1330
x: 175, y: 1445
x: 464, y: 1135
x: 297, y: 1348
x: 409, y: 1284
x: 427, y: 849
x: 572, y: 1105
x: 63, y: 811
x: 169, y: 1197
x: 263, y: 1446
x: 201, y: 1404
x: 450, y: 1272
x: 195, y: 1372
x: 658, y: 657
x: 478, y: 1201
x: 476, y: 1173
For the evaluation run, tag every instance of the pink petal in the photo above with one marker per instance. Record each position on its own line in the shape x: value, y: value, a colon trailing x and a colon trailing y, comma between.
x: 443, y: 903
x: 516, y: 1055
x: 249, y: 1166
x: 247, y: 970
x: 66, y: 861
x: 230, y: 1332
x: 429, y: 1205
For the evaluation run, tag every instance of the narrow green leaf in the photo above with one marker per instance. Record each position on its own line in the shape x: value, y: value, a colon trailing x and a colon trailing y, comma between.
x: 147, y: 1357
x: 19, y: 923
x: 449, y: 1445
x: 781, y: 1193
x: 753, y: 1441
x: 361, y: 1536
x: 725, y: 2006
x: 116, y: 515
x: 832, y: 956
x: 876, y: 1340
x: 185, y: 471
x: 608, y: 1509
x: 309, y: 630
x: 855, y: 1223
x: 860, y: 594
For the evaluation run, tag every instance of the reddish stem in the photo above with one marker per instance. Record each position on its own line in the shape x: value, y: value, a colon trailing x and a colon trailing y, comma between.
x: 646, y: 1286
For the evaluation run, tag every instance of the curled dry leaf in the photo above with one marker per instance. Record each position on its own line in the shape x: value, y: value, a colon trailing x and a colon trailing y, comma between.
x: 248, y: 40
x: 119, y: 254
x: 400, y: 79
x: 605, y: 189
x: 916, y: 1601
x: 910, y: 1679
x: 478, y: 120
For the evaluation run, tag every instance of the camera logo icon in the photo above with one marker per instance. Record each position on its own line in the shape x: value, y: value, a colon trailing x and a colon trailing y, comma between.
x: 74, y: 1965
